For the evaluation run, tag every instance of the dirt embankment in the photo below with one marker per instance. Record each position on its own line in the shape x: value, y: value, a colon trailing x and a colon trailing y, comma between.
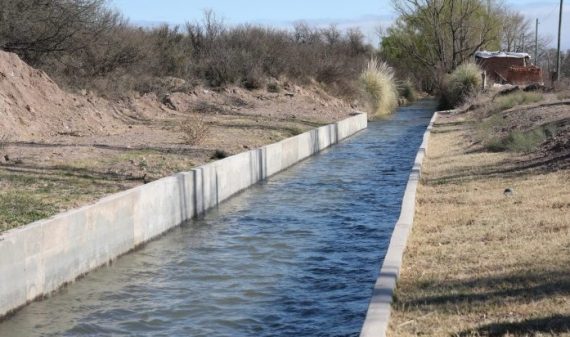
x: 59, y: 150
x: 489, y: 254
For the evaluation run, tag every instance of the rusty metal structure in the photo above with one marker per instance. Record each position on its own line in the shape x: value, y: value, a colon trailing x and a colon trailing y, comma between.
x: 508, y: 68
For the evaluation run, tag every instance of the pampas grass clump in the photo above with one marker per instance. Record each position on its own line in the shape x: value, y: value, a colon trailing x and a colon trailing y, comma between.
x: 380, y: 88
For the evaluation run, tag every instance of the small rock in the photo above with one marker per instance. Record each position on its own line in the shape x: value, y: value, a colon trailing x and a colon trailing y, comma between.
x: 6, y: 158
x: 508, y: 192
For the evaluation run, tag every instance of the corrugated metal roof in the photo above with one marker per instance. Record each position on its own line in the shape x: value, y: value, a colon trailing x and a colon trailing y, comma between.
x: 490, y: 54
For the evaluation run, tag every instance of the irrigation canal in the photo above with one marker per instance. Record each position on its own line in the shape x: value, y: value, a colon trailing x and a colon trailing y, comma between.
x: 294, y: 256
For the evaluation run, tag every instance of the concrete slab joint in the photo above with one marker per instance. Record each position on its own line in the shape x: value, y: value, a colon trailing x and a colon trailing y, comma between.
x: 40, y: 257
x: 379, y: 309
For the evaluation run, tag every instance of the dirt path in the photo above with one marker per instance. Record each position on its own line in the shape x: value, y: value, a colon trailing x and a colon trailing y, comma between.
x: 483, y: 261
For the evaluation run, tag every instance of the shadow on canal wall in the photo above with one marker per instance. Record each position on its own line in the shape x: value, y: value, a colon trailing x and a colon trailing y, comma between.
x: 38, y: 258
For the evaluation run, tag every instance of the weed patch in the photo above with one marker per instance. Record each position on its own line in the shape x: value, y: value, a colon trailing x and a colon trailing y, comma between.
x: 195, y: 130
x: 506, y: 102
x: 17, y: 207
x: 519, y: 141
x: 219, y: 154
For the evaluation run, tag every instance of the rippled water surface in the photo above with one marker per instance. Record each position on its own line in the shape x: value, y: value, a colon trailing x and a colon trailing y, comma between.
x: 295, y: 256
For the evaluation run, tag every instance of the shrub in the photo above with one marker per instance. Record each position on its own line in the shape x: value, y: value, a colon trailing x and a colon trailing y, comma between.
x: 94, y: 48
x: 464, y: 81
x: 219, y: 154
x: 254, y: 79
x: 517, y: 98
x: 273, y: 87
x: 406, y: 90
x: 195, y: 130
x: 521, y: 141
x: 378, y: 83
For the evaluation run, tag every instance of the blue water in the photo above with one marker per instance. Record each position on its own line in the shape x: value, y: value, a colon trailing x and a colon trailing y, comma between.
x: 294, y: 256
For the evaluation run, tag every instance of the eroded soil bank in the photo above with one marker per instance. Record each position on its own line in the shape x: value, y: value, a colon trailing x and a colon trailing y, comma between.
x: 60, y: 150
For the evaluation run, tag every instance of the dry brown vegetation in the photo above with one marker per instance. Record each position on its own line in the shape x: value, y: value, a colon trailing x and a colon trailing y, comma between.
x: 195, y: 130
x: 482, y: 262
x: 86, y: 45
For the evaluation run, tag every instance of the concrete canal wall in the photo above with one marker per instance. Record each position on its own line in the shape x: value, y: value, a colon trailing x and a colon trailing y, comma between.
x: 378, y: 315
x: 38, y: 258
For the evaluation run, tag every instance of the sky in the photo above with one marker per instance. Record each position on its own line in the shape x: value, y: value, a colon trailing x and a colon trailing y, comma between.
x: 365, y: 14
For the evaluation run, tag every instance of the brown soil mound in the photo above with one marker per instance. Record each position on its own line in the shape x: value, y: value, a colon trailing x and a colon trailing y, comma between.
x: 33, y: 106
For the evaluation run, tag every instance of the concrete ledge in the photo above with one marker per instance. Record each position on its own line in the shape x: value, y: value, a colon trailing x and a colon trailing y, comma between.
x: 38, y: 258
x: 378, y: 315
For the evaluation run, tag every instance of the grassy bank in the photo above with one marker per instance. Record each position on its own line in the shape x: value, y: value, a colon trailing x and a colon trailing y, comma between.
x: 482, y: 262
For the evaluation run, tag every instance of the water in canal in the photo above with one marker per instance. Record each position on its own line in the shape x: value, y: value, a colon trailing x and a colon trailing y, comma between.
x: 294, y: 256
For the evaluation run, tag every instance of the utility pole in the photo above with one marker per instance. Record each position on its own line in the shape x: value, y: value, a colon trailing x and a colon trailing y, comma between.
x: 536, y: 43
x: 558, y: 52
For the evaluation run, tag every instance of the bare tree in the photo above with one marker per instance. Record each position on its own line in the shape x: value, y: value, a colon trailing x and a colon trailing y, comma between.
x: 516, y: 34
x: 34, y: 28
x: 445, y: 33
x: 331, y: 34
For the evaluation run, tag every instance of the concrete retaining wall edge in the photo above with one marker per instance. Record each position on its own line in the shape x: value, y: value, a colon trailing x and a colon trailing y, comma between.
x: 38, y: 258
x: 379, y: 309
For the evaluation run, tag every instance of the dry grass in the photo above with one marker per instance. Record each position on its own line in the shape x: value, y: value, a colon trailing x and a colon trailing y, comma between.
x: 27, y: 195
x: 517, y: 98
x: 480, y: 263
x: 380, y: 88
x: 195, y: 129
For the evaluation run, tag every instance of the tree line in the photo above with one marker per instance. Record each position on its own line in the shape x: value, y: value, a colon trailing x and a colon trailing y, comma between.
x: 84, y: 44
